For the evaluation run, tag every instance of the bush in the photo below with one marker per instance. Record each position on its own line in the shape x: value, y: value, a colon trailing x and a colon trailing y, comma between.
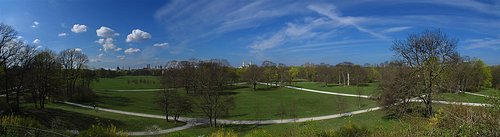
x: 177, y: 134
x: 101, y: 131
x: 224, y: 133
x: 19, y: 121
x: 259, y: 133
x: 352, y: 130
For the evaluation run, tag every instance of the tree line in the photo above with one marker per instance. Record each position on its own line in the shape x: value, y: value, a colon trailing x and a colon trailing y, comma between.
x: 32, y: 75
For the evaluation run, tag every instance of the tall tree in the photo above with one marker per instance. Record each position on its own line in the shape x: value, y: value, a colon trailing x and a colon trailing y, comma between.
x: 45, y: 77
x: 72, y: 61
x: 8, y: 48
x: 428, y: 54
x: 211, y: 99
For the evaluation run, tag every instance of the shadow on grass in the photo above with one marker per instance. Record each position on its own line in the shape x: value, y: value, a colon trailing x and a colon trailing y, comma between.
x: 114, y: 101
x: 55, y: 118
x: 266, y: 88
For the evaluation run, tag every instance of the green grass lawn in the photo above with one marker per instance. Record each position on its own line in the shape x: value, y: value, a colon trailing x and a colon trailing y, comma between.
x: 490, y: 92
x: 261, y: 104
x: 82, y: 118
x: 368, y: 89
x: 127, y: 82
x: 460, y: 97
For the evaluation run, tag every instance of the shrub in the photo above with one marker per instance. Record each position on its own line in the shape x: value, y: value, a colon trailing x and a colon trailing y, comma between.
x: 259, y: 133
x: 352, y: 130
x: 224, y: 133
x: 12, y: 120
x: 101, y: 131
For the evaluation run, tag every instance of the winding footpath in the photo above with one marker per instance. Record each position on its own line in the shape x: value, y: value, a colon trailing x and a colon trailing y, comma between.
x: 191, y: 122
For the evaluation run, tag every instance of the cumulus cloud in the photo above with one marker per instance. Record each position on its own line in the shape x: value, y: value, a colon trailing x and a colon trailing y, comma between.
x: 97, y: 58
x: 106, y: 40
x: 35, y: 24
x: 36, y: 41
x: 62, y: 34
x: 107, y: 43
x: 106, y: 32
x: 138, y: 35
x: 79, y: 28
x: 161, y: 45
x: 132, y: 51
x: 78, y: 49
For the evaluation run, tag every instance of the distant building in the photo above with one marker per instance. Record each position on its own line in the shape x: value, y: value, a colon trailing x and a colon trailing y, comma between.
x: 243, y: 65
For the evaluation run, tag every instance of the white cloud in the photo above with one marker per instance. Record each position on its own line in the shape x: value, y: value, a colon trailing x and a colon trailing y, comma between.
x: 106, y: 32
x: 35, y: 24
x: 138, y: 35
x: 272, y: 42
x: 106, y: 40
x: 132, y: 50
x: 395, y: 29
x: 106, y: 43
x: 308, y: 30
x: 62, y: 34
x: 118, y: 49
x: 488, y: 43
x: 79, y: 28
x: 36, y: 41
x: 122, y: 57
x: 161, y: 45
x: 97, y: 58
x: 330, y: 11
x: 78, y: 49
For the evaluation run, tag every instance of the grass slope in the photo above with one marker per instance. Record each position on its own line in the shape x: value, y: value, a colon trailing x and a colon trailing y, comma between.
x: 82, y: 118
x: 261, y: 104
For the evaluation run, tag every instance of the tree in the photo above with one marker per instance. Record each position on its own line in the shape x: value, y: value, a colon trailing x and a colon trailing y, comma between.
x: 496, y: 76
x: 9, y: 45
x: 252, y: 75
x: 428, y: 55
x: 45, y: 77
x: 324, y: 73
x: 396, y: 87
x: 294, y: 72
x: 269, y: 72
x: 72, y: 62
x: 211, y: 100
x: 309, y: 71
x: 344, y: 71
x: 22, y: 64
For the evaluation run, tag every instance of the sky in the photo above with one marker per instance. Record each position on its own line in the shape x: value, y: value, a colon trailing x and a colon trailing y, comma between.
x: 133, y: 33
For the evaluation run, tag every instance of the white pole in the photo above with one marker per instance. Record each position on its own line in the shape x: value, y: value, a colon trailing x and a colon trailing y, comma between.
x: 347, y: 79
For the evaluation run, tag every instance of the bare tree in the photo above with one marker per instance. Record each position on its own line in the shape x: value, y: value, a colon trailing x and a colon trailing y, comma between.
x: 22, y: 64
x: 8, y: 48
x: 45, y: 79
x: 252, y: 75
x: 213, y: 80
x: 72, y: 61
x: 428, y: 55
x: 324, y: 73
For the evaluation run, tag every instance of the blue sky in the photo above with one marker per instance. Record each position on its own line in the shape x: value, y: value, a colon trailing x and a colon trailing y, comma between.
x: 134, y: 33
